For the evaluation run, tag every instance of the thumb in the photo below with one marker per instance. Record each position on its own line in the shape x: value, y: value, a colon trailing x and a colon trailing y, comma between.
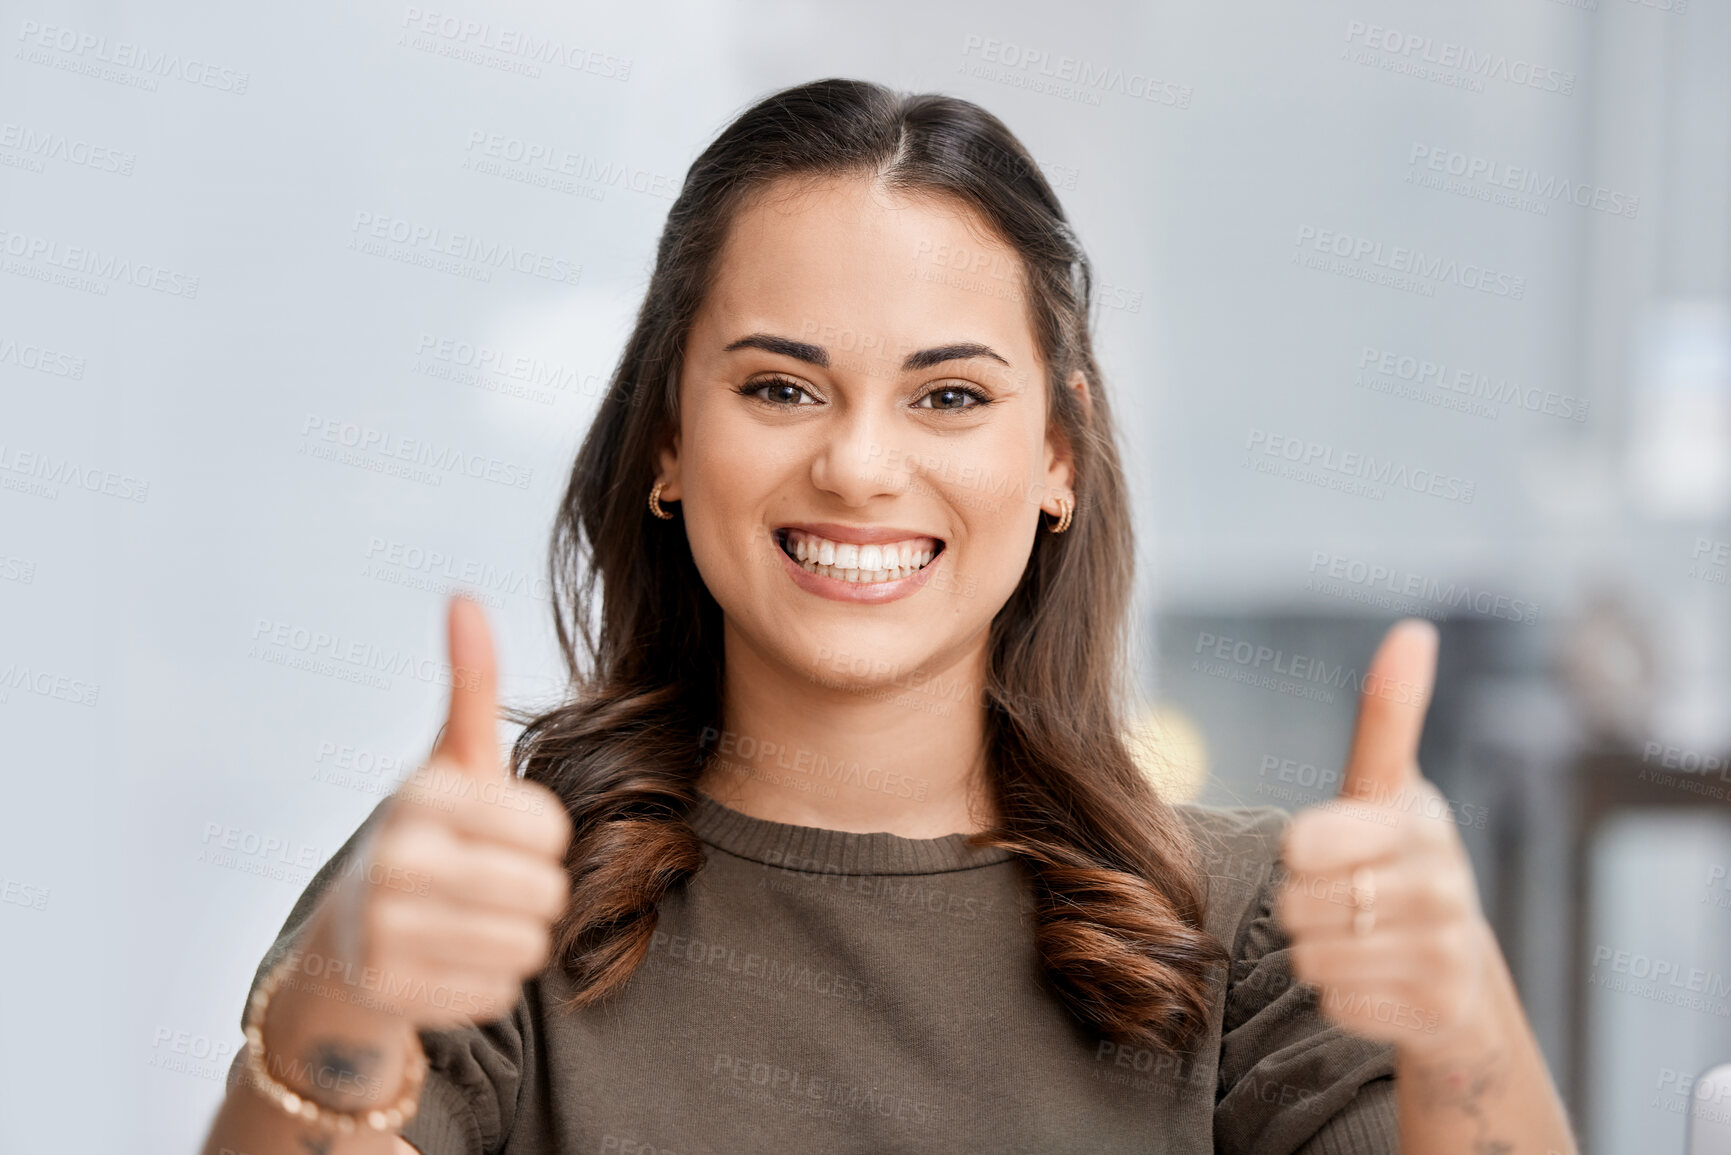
x: 470, y: 736
x: 1391, y: 709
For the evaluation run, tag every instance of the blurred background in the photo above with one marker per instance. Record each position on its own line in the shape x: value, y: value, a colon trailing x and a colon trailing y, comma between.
x: 1408, y: 309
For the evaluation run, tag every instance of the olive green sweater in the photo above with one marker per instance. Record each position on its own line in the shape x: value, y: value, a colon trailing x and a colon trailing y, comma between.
x: 815, y: 990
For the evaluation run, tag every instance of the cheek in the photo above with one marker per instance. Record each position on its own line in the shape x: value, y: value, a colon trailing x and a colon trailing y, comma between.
x: 733, y: 555
x: 719, y: 525
x: 1000, y: 517
x: 731, y: 503
x: 999, y: 542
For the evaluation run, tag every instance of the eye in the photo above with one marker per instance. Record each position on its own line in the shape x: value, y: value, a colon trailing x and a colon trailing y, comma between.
x: 780, y: 388
x: 953, y: 393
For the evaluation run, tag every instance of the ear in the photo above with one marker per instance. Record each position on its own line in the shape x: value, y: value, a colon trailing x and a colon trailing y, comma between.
x: 1060, y: 457
x: 669, y: 474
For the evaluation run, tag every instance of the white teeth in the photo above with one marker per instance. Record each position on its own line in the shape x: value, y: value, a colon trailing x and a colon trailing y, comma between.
x: 858, y: 564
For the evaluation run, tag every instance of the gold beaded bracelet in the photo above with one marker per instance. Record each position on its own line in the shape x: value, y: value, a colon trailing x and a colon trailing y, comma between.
x: 324, y: 1118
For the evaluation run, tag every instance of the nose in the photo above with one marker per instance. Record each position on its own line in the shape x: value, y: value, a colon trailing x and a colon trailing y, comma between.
x: 856, y: 459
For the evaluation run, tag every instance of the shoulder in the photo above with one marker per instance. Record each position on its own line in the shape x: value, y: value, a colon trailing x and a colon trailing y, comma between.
x: 1237, y: 842
x: 1234, y: 822
x: 1238, y: 852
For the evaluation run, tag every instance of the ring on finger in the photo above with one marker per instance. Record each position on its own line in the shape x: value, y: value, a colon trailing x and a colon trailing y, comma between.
x: 1363, y: 896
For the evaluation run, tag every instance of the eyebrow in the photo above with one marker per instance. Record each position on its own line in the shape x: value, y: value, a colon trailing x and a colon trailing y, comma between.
x: 819, y: 356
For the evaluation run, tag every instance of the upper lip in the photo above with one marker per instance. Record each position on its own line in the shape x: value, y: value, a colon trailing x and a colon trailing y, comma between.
x: 857, y: 534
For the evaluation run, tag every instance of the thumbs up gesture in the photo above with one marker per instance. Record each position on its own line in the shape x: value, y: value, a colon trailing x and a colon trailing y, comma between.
x: 449, y: 904
x: 1379, y: 903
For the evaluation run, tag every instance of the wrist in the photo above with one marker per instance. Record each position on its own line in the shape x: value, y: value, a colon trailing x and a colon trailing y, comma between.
x: 1480, y: 1027
x: 338, y: 1082
x: 315, y: 1041
x: 313, y: 997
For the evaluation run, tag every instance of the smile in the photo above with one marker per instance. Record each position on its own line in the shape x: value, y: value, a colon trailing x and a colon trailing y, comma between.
x: 863, y: 564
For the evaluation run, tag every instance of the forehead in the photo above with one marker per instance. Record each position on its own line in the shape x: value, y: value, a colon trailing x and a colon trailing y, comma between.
x: 873, y: 268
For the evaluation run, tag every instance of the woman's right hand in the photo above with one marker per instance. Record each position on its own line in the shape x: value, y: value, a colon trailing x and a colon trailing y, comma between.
x: 434, y: 922
x: 448, y: 905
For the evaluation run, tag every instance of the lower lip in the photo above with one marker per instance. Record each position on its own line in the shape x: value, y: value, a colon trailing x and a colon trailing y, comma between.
x: 844, y: 591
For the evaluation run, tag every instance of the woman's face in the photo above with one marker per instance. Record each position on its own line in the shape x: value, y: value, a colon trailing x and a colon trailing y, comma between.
x: 862, y: 387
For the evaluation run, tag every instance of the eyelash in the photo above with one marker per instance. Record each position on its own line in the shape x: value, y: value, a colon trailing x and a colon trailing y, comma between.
x: 751, y: 387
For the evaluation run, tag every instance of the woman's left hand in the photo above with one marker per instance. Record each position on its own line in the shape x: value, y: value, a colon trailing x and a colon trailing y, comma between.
x: 1379, y: 903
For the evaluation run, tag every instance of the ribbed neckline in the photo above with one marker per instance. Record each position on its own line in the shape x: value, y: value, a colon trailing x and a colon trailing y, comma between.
x: 813, y: 848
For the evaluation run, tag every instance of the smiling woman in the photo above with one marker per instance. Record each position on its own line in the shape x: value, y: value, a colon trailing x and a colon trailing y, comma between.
x: 837, y: 843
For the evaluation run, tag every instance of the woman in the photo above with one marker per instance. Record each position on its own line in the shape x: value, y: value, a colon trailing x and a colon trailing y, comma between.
x: 837, y: 846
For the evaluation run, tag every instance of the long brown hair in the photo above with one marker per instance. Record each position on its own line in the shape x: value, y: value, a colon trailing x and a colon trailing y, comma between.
x: 1118, y: 898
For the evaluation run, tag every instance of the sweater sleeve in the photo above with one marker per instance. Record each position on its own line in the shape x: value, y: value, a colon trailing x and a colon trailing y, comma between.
x: 474, y: 1073
x: 1291, y: 1082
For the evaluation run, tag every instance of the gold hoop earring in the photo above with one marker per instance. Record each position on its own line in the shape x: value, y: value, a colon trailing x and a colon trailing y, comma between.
x: 655, y: 502
x: 1067, y: 506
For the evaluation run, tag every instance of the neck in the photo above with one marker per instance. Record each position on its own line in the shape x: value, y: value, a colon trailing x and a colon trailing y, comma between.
x: 906, y: 756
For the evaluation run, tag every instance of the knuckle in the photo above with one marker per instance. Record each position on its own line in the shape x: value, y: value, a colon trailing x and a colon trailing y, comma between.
x: 557, y: 891
x: 415, y: 846
x: 1445, y: 948
x: 1432, y: 895
x: 534, y: 943
x: 1455, y: 901
x: 420, y: 851
x: 549, y: 808
x: 541, y: 947
x: 387, y: 846
x: 1298, y: 855
x: 385, y: 921
x: 470, y: 807
x: 1458, y: 943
